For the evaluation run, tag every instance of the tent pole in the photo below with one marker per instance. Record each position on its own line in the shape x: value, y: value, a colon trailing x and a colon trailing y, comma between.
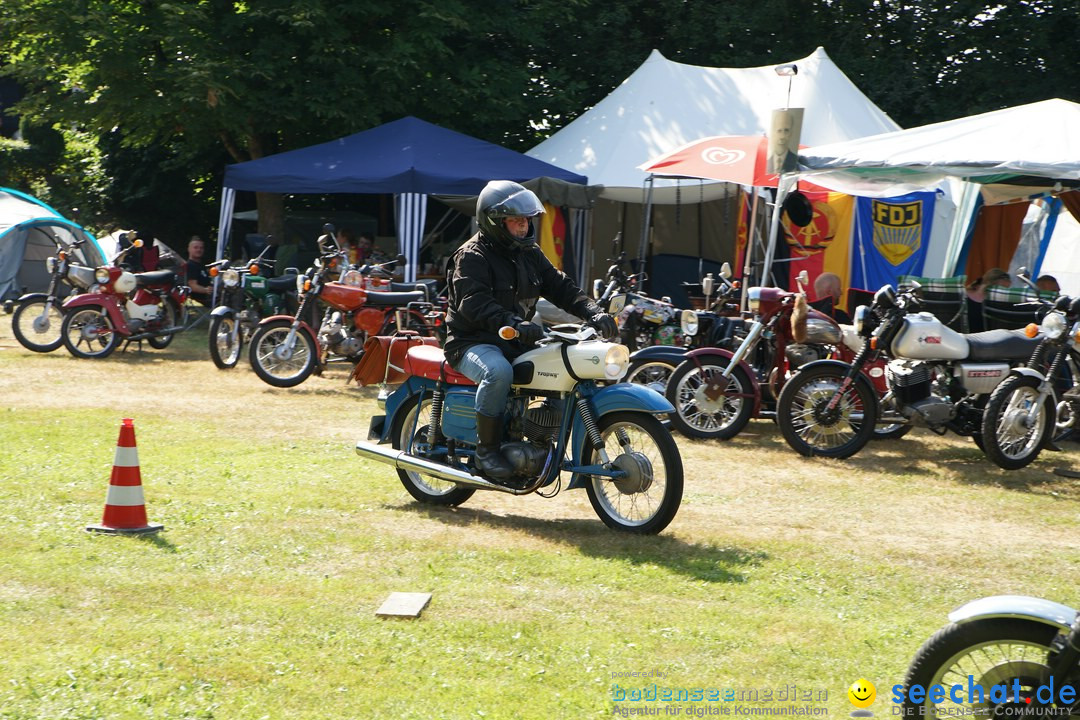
x: 783, y: 187
x: 644, y: 245
x: 748, y: 256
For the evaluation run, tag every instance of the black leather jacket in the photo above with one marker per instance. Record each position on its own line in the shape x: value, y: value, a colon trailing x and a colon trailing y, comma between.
x: 490, y: 286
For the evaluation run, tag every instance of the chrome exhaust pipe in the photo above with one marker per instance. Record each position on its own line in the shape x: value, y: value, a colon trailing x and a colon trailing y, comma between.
x: 401, y: 460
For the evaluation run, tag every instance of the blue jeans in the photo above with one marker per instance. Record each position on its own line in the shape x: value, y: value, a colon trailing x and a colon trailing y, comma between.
x: 486, y: 366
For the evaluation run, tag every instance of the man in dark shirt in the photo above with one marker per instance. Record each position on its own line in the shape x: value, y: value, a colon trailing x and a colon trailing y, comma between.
x: 198, y: 277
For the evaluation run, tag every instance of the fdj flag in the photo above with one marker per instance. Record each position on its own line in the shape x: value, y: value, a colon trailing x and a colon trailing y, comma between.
x: 891, y: 238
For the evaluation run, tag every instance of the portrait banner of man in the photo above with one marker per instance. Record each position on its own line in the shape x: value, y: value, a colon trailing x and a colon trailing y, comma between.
x: 784, y: 133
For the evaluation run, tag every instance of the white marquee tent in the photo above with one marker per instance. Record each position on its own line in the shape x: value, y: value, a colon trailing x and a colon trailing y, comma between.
x: 665, y: 104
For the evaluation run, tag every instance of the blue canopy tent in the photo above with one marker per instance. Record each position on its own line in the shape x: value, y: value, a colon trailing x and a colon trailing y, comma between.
x: 408, y: 157
x: 29, y: 233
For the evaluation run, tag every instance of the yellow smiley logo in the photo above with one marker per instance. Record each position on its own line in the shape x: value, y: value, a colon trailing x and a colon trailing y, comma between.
x: 862, y: 693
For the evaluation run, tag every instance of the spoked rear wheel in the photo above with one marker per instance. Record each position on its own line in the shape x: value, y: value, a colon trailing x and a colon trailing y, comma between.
x: 997, y: 654
x: 646, y: 499
x: 36, y: 324
x: 409, y: 434
x: 169, y: 316
x: 653, y: 374
x: 811, y: 427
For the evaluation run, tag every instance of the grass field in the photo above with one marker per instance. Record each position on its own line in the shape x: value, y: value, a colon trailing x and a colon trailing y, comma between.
x: 258, y: 600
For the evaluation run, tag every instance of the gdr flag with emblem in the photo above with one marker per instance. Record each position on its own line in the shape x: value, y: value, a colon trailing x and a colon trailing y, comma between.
x: 891, y: 238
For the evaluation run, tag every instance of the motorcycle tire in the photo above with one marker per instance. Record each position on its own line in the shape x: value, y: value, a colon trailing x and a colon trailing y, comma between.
x: 36, y: 329
x: 696, y: 415
x: 424, y: 488
x: 644, y: 502
x: 995, y: 651
x: 226, y: 340
x: 282, y: 372
x: 1005, y: 440
x: 168, y: 319
x: 803, y: 399
x: 654, y: 374
x: 88, y: 332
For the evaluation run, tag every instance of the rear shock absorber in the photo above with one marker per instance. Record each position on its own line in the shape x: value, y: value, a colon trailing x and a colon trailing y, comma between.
x: 434, y: 433
x: 592, y: 430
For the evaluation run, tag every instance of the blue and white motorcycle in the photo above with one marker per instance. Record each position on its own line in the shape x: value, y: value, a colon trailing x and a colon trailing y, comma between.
x: 566, y: 413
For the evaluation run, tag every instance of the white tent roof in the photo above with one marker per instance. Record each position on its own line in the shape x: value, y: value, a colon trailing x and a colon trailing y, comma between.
x: 664, y: 105
x: 1019, y: 150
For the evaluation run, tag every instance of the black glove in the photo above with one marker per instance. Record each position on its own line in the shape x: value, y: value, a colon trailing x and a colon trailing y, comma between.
x: 529, y: 332
x: 605, y: 325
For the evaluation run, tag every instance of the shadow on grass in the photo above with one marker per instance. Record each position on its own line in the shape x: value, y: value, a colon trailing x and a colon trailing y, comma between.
x: 593, y: 539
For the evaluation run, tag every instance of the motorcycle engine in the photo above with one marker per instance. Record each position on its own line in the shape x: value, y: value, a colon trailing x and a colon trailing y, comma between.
x: 541, y: 422
x: 912, y: 383
x: 799, y: 354
x: 332, y: 334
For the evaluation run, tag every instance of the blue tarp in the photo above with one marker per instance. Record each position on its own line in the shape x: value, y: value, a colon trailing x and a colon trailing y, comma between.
x: 403, y: 156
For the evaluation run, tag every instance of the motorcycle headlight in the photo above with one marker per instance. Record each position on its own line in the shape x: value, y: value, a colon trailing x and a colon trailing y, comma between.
x: 753, y: 299
x: 597, y: 288
x: 50, y: 264
x: 301, y: 281
x: 1075, y: 333
x: 1053, y: 325
x: 861, y: 321
x: 231, y: 278
x: 616, y: 362
x: 101, y: 275
x: 688, y: 319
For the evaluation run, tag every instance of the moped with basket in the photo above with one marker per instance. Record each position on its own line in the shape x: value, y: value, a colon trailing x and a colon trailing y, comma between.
x: 38, y: 317
x: 559, y: 419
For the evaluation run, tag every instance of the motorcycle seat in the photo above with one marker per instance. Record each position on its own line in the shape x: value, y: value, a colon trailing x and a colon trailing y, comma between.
x: 1000, y: 345
x: 155, y: 277
x: 428, y: 361
x: 282, y: 284
x: 394, y: 298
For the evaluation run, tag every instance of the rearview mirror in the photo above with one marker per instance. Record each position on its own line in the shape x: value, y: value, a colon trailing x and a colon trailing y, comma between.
x: 707, y: 285
x: 803, y: 278
x: 725, y: 271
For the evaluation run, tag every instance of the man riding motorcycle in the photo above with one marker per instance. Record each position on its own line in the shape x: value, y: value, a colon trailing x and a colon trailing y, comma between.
x: 494, y: 280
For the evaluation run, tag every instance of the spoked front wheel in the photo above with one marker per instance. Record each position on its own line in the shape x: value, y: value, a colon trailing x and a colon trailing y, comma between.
x: 707, y: 405
x: 36, y: 324
x: 226, y: 341
x: 277, y: 361
x: 1000, y: 655
x: 645, y: 500
x: 88, y: 332
x: 813, y: 425
x: 409, y: 434
x: 1016, y: 423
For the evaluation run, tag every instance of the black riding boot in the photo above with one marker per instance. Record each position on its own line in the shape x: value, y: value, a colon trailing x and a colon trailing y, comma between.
x: 489, y: 458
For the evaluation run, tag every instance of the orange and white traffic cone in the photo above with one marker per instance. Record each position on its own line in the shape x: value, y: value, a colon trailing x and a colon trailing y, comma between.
x: 125, y: 508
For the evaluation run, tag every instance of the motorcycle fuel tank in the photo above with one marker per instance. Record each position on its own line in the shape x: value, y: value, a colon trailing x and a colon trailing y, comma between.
x: 924, y: 337
x: 588, y: 360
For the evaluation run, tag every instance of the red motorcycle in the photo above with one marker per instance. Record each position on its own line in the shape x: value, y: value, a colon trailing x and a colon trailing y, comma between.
x: 123, y: 305
x: 286, y: 350
x: 717, y: 391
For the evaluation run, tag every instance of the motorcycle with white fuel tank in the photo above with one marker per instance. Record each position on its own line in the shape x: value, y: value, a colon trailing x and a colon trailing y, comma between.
x: 123, y: 305
x: 1005, y: 656
x: 935, y: 378
x: 559, y: 418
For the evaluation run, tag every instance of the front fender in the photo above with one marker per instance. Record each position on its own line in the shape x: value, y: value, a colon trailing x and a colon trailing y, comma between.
x: 109, y: 302
x: 621, y: 397
x: 842, y: 368
x: 33, y: 297
x: 222, y: 311
x: 664, y: 353
x: 301, y: 327
x: 1016, y: 606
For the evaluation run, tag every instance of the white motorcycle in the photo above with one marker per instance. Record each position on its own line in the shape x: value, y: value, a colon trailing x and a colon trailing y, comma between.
x: 935, y: 377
